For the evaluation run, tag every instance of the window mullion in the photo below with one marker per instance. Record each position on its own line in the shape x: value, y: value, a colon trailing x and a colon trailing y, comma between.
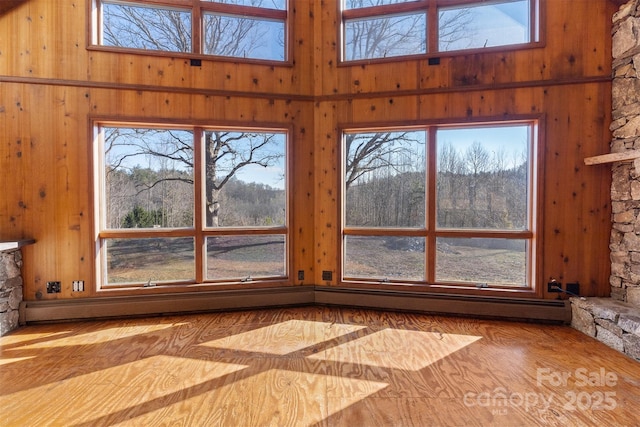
x: 432, y: 27
x: 430, y: 210
x: 534, y: 13
x: 198, y: 209
x: 196, y: 29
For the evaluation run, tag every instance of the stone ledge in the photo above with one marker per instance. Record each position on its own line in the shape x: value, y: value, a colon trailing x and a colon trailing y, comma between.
x: 12, y: 245
x: 612, y: 322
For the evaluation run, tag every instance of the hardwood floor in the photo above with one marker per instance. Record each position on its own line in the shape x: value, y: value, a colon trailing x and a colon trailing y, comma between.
x: 313, y: 366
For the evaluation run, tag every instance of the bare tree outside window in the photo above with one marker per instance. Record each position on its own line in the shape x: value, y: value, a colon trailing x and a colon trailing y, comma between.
x: 482, y: 178
x: 385, y: 178
x: 148, y: 178
x: 482, y: 25
x: 356, y: 4
x: 482, y: 182
x: 142, y: 27
x: 243, y: 37
x: 228, y: 154
x: 375, y: 29
x: 169, y: 29
x: 273, y: 4
x: 455, y: 29
x: 384, y: 37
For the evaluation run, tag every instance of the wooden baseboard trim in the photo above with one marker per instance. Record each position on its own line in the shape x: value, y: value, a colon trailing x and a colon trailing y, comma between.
x: 149, y: 305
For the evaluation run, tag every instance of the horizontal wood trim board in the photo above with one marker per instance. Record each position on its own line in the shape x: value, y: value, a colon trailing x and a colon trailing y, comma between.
x: 297, y: 97
x: 147, y: 305
x: 151, y: 88
x: 466, y: 88
x: 491, y: 307
x: 613, y: 157
x: 11, y: 245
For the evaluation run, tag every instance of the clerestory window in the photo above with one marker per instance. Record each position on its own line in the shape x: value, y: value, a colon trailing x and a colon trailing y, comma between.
x: 377, y: 29
x: 245, y: 29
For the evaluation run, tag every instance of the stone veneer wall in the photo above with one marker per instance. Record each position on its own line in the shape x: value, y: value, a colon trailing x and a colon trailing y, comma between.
x: 625, y: 128
x: 615, y: 321
x: 612, y: 322
x: 10, y: 290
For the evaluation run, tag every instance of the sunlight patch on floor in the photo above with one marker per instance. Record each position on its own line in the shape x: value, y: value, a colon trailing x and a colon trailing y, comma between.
x: 99, y: 336
x: 284, y: 338
x: 14, y: 360
x: 276, y: 397
x: 397, y: 349
x: 111, y: 390
x: 16, y: 337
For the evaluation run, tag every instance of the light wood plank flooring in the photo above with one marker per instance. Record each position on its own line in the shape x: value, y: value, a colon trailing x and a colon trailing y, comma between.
x: 313, y: 366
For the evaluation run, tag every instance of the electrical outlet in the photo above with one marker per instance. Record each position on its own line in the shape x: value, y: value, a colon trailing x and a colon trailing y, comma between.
x: 553, y: 284
x: 78, y: 286
x: 573, y: 289
x: 300, y: 274
x: 53, y: 287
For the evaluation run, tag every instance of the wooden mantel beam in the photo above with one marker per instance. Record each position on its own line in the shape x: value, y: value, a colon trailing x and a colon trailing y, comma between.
x: 612, y: 157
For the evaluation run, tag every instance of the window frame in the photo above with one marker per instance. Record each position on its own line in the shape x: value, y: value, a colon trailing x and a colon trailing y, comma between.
x: 431, y: 232
x: 198, y: 9
x: 430, y: 8
x: 199, y: 231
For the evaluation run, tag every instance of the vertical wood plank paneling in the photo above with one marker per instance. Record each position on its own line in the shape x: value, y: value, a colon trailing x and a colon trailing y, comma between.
x: 580, y: 192
x: 326, y: 192
x: 566, y: 49
x: 600, y: 209
x: 327, y: 48
x: 302, y: 208
x: 47, y: 192
x: 41, y: 190
x: 18, y: 30
x: 433, y: 75
x: 14, y: 154
x: 382, y: 110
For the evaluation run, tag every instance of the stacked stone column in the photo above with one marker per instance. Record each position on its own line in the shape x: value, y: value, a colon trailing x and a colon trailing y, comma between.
x: 10, y: 290
x: 625, y: 128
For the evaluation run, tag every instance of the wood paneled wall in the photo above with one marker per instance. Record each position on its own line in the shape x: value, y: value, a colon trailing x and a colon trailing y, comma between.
x: 51, y: 85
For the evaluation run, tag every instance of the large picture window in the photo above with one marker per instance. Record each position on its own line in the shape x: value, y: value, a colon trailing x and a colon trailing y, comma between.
x: 247, y: 29
x: 440, y: 205
x: 377, y: 29
x: 190, y: 204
